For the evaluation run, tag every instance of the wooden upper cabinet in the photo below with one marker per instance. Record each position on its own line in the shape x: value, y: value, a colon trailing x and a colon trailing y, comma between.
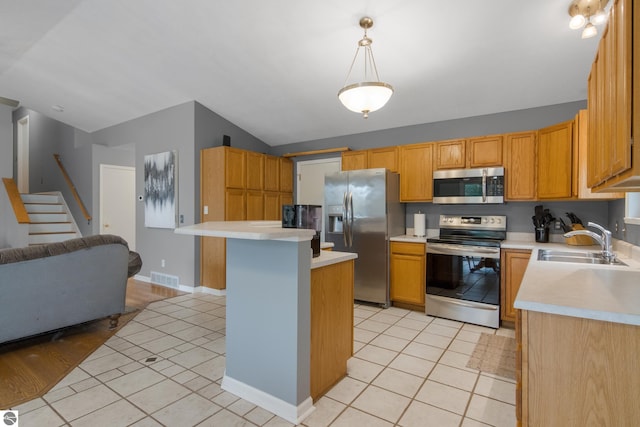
x: 271, y: 173
x: 450, y: 154
x: 354, y: 160
x: 235, y: 168
x: 416, y: 172
x: 619, y: 71
x: 520, y: 166
x: 286, y: 174
x: 485, y: 151
x: 383, y: 158
x: 580, y: 161
x: 614, y: 103
x: 555, y: 161
x: 255, y: 171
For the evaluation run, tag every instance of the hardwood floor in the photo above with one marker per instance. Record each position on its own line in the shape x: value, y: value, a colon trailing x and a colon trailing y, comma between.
x: 31, y: 367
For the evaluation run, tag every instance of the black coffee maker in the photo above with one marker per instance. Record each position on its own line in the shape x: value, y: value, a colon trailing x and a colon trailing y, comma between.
x: 304, y: 216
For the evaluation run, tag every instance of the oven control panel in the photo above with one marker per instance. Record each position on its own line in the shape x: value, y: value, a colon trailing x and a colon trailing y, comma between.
x: 474, y: 222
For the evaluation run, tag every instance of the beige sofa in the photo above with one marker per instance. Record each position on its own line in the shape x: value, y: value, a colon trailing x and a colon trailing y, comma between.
x: 47, y: 287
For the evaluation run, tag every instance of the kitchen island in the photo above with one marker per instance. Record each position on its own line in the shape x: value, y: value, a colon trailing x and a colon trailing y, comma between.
x: 273, y: 318
x: 578, y: 333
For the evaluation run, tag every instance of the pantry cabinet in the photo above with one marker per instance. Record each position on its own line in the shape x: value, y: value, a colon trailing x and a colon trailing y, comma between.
x: 416, y: 172
x: 513, y: 263
x: 520, y: 166
x: 232, y: 188
x: 408, y: 272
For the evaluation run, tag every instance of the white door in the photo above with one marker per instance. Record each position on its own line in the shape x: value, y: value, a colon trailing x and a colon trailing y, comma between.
x: 118, y: 202
x: 310, y: 181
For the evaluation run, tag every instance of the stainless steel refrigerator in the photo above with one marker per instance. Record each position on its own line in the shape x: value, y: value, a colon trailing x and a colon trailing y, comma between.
x: 362, y: 211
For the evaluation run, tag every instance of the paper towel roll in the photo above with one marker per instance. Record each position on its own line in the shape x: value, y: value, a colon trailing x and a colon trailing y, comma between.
x: 418, y: 225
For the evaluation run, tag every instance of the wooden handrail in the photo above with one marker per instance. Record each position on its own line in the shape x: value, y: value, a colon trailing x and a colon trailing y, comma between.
x: 16, y: 201
x: 76, y: 196
x: 323, y: 151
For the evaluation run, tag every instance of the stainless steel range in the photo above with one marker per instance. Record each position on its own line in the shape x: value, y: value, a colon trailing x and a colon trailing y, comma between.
x: 463, y: 269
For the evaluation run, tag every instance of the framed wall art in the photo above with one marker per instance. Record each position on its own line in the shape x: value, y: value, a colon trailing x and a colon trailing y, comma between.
x: 161, y: 190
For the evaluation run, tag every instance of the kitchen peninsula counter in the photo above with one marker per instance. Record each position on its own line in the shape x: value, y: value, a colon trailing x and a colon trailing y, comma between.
x: 578, y: 337
x: 278, y: 314
x: 600, y: 292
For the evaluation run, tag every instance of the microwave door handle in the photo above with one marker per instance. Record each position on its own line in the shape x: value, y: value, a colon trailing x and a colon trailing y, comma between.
x: 484, y: 186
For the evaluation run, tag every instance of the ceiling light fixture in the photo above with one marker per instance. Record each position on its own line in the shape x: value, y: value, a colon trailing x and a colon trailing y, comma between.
x: 586, y: 13
x: 368, y: 95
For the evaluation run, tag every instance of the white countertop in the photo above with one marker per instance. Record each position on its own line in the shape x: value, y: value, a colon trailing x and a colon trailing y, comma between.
x: 408, y: 238
x: 600, y: 292
x: 331, y: 257
x: 250, y: 230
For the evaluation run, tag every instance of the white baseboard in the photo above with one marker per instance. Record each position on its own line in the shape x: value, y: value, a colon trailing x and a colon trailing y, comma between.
x: 211, y: 291
x: 185, y: 288
x: 293, y: 414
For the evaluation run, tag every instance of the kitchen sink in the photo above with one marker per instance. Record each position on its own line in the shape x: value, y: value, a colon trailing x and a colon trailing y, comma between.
x: 575, y: 257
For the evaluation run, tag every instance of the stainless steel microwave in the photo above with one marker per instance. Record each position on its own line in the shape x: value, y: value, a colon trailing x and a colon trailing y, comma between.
x: 468, y: 186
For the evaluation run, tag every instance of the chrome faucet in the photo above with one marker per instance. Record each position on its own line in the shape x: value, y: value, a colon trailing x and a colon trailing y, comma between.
x: 603, y: 239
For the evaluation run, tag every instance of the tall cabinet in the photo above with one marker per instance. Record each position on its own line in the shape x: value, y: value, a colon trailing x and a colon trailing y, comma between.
x: 238, y: 185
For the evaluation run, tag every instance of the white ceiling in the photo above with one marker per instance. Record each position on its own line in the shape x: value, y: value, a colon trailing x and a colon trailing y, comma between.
x: 274, y: 67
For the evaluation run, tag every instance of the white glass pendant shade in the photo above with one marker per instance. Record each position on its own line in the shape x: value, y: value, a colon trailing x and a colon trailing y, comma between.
x: 589, y: 31
x: 599, y: 18
x: 365, y: 97
x: 577, y: 21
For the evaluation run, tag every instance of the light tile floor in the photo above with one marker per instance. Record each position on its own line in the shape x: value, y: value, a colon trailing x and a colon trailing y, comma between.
x: 166, y: 365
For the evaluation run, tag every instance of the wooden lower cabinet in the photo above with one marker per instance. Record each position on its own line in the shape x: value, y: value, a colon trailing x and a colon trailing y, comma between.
x: 577, y: 372
x: 331, y: 325
x: 408, y: 273
x: 513, y: 263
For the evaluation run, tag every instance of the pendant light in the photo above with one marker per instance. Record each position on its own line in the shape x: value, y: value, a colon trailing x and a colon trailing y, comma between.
x: 370, y: 94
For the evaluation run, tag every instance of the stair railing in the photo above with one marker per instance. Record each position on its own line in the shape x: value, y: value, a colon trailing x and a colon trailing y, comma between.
x: 76, y: 196
x: 16, y: 201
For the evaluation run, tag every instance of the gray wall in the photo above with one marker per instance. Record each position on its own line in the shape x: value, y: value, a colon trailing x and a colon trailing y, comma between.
x: 166, y: 130
x: 512, y: 121
x: 627, y: 232
x: 519, y: 213
x: 47, y: 137
x: 6, y: 142
x: 187, y: 128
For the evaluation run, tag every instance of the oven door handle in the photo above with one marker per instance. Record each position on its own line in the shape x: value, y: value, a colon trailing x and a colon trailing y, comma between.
x: 465, y: 304
x: 444, y: 249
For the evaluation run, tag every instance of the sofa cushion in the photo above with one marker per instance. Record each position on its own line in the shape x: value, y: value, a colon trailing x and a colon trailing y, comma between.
x: 11, y: 255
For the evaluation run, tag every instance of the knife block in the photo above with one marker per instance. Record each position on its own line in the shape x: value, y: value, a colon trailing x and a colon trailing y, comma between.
x: 579, y: 240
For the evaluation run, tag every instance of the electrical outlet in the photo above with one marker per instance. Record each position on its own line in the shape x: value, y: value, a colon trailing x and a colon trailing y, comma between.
x: 557, y: 225
x: 162, y: 263
x: 206, y: 210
